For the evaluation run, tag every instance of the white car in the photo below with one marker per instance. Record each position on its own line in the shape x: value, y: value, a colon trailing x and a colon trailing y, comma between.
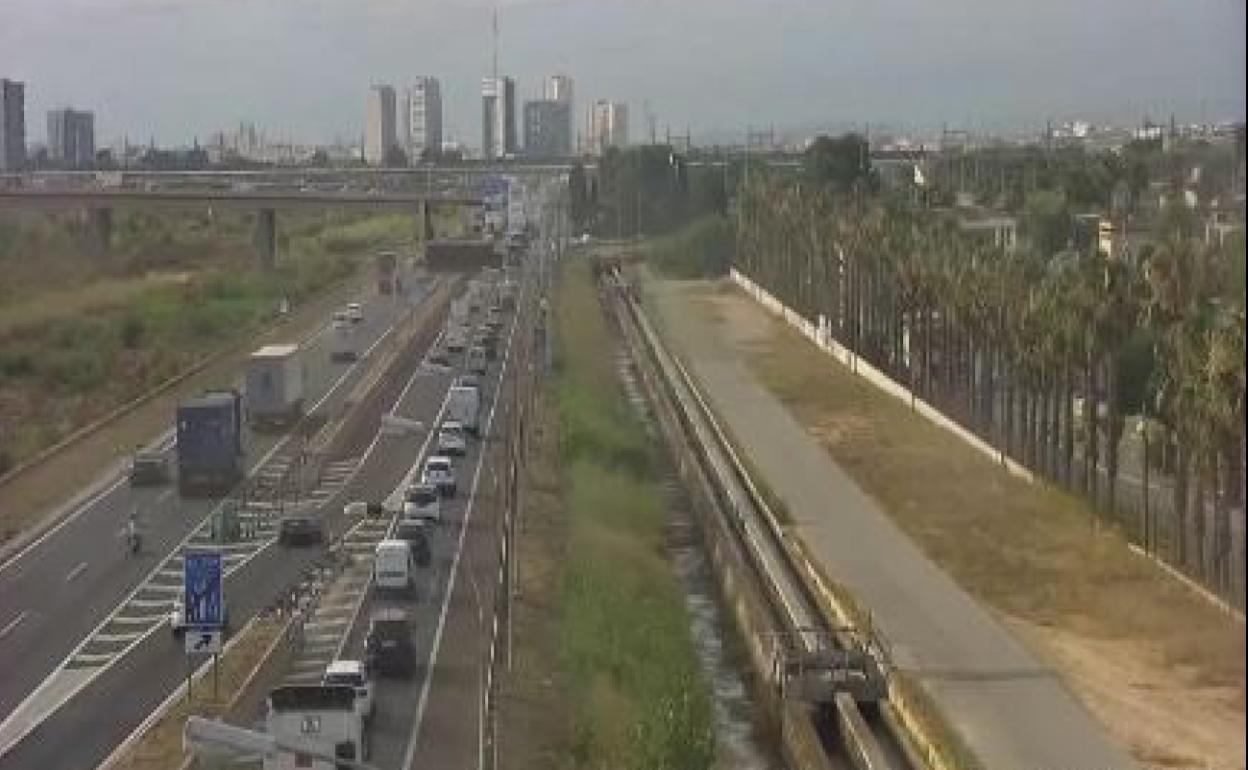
x: 440, y: 472
x: 353, y: 674
x: 355, y: 312
x: 422, y: 502
x: 451, y: 439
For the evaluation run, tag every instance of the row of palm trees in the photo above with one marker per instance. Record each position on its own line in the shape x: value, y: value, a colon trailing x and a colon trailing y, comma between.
x: 1027, y: 349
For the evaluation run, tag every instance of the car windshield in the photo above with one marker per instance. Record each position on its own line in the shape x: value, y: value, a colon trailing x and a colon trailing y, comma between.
x: 350, y: 680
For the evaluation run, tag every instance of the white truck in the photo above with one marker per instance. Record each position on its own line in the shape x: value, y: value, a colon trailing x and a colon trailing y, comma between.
x: 463, y: 405
x: 322, y: 719
x: 344, y: 341
x: 273, y: 387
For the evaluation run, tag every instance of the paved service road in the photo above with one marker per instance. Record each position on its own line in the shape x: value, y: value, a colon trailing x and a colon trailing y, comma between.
x: 1012, y: 710
x: 64, y: 585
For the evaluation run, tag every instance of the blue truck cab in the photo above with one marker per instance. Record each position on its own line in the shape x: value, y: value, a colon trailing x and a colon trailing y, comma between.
x: 210, y: 443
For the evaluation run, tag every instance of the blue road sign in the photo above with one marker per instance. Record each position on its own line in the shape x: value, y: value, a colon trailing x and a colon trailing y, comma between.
x: 201, y: 589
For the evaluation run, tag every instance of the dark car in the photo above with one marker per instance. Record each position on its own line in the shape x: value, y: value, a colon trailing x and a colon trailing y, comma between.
x: 388, y: 647
x: 148, y: 469
x: 416, y: 533
x: 300, y: 530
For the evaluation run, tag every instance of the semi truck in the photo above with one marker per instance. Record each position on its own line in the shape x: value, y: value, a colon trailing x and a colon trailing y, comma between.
x: 274, y: 387
x: 210, y: 443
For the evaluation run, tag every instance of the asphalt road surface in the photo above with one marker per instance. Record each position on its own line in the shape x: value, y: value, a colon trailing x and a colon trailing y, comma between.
x: 1013, y: 710
x: 58, y: 590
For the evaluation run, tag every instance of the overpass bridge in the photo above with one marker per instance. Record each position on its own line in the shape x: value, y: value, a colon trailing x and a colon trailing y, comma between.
x: 100, y: 204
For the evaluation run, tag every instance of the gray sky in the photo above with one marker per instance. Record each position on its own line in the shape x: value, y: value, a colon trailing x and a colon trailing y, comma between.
x: 301, y: 68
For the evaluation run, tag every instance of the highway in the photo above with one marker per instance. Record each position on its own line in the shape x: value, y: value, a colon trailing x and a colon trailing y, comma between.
x: 61, y: 590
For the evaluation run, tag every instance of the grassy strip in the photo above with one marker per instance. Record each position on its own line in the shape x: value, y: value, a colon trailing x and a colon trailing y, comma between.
x: 638, y: 700
x: 160, y: 747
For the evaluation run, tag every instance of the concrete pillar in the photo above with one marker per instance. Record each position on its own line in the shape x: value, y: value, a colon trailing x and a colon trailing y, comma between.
x: 426, y: 221
x: 100, y: 230
x: 266, y: 238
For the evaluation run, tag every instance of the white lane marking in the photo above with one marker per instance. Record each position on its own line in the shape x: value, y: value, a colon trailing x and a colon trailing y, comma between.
x: 163, y: 496
x: 76, y: 571
x: 17, y: 621
x: 53, y: 691
x: 414, y: 735
x: 161, y: 443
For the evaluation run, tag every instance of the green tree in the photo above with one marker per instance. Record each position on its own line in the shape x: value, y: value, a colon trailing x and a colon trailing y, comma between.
x: 843, y: 163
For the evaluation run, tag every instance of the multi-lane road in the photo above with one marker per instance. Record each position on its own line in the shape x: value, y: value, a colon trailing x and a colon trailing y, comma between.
x: 84, y: 618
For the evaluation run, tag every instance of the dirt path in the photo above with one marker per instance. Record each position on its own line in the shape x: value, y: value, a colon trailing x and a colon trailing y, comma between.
x: 1162, y: 669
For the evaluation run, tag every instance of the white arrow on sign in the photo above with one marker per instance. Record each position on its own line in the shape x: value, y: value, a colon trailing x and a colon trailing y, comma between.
x: 203, y: 641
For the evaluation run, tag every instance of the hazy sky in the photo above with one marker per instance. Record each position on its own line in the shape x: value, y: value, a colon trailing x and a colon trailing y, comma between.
x: 177, y: 69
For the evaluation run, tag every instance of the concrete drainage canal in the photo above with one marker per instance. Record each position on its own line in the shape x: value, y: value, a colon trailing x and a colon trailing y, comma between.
x: 743, y: 743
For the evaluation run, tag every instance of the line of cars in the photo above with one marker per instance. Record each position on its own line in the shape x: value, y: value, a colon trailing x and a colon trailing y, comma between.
x: 344, y: 703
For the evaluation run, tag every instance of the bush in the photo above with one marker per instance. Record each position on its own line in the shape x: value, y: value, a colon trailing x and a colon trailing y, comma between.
x: 702, y: 249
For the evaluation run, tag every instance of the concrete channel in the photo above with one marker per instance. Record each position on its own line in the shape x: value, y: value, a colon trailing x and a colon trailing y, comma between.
x: 813, y: 734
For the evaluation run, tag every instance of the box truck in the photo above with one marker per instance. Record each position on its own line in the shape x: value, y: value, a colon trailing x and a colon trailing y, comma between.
x: 210, y: 443
x: 274, y: 387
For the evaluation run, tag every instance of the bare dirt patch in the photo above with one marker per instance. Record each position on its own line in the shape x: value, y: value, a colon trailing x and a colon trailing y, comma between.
x: 1161, y: 668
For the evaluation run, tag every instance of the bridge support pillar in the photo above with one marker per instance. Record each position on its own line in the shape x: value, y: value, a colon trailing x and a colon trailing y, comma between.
x: 266, y: 238
x: 100, y: 230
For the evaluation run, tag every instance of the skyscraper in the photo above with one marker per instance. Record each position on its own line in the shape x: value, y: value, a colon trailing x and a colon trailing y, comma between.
x: 498, y: 117
x: 547, y: 129
x: 12, y: 125
x: 422, y: 118
x: 71, y: 137
x: 608, y: 126
x: 558, y: 88
x: 379, y: 134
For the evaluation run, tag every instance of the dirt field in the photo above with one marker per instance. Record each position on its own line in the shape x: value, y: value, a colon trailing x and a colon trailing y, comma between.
x: 1162, y: 668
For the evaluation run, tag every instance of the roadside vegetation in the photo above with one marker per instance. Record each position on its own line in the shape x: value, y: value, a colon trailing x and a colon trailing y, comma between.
x: 81, y: 335
x: 638, y: 700
x: 701, y: 249
x: 1070, y: 348
x: 1130, y: 640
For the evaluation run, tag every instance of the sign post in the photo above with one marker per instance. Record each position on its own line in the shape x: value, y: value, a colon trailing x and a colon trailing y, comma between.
x: 203, y: 607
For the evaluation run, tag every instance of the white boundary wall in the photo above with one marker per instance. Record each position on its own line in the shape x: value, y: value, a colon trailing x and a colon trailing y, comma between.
x: 821, y: 336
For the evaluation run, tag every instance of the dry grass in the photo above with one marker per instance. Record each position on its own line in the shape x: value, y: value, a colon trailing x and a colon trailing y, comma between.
x: 534, y: 704
x: 1030, y: 552
x: 81, y: 300
x: 161, y: 747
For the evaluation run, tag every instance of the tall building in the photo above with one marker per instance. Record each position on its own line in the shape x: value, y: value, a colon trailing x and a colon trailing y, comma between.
x: 547, y: 129
x: 71, y: 137
x: 498, y: 117
x: 422, y: 118
x: 608, y: 126
x: 558, y: 88
x: 379, y: 134
x: 12, y: 125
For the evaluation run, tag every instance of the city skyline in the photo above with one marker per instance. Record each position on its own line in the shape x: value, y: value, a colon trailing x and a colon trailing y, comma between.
x: 928, y: 66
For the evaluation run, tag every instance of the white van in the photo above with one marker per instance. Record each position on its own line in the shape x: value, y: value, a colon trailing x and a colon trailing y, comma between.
x: 394, y: 566
x: 464, y: 406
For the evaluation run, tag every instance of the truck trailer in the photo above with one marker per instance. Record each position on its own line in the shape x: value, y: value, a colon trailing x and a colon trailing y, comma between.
x: 274, y: 387
x: 210, y: 443
x: 321, y: 719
